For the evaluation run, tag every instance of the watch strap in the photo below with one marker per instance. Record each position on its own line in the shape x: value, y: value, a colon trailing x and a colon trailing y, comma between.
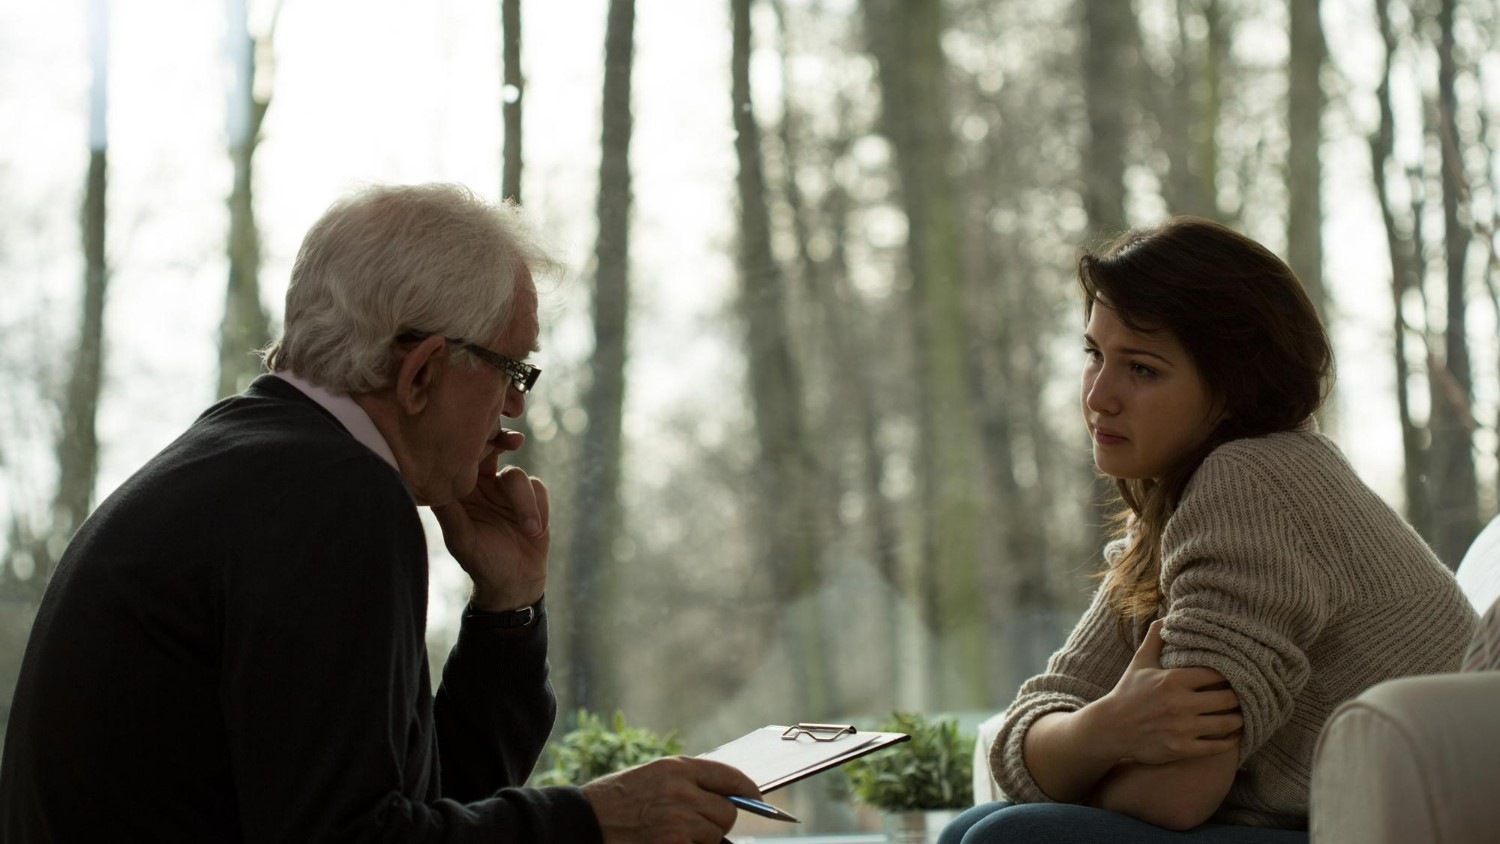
x: 509, y: 619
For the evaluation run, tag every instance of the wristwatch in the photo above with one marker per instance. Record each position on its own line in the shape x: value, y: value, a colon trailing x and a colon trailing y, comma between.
x: 523, y: 617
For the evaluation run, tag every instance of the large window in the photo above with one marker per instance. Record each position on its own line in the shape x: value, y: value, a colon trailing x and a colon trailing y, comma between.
x: 817, y: 456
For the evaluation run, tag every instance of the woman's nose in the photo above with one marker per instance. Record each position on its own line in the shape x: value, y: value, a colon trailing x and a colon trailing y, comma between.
x: 1099, y: 393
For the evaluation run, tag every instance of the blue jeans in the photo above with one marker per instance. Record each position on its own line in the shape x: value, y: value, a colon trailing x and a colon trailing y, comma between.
x: 1065, y: 823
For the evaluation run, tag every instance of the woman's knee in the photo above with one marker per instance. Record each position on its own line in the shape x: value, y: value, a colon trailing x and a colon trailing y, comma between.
x: 954, y: 832
x: 1032, y: 823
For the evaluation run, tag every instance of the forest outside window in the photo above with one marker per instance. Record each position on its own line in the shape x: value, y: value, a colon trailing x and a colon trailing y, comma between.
x: 810, y: 429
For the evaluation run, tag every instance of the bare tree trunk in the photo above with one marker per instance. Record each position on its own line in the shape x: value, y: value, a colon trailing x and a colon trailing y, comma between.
x: 512, y: 93
x: 78, y: 444
x: 1189, y: 108
x: 1113, y: 34
x: 1021, y: 607
x: 246, y: 326
x: 787, y: 469
x: 1405, y: 276
x: 838, y: 310
x: 1108, y: 91
x: 590, y: 683
x: 1305, y: 102
x: 1492, y: 287
x: 512, y: 99
x: 906, y: 40
x: 1488, y: 233
x: 1206, y: 138
x: 854, y: 351
x: 1455, y: 487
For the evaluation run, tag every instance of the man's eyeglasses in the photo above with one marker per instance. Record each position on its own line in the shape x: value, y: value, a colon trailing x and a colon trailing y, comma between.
x: 521, y: 373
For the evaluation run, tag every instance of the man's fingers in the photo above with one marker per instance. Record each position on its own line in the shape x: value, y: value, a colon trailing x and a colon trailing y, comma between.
x: 1148, y: 655
x: 717, y: 811
x: 722, y: 779
x: 489, y: 465
x: 520, y: 497
x: 678, y: 798
x: 543, y: 502
x: 508, y: 440
x: 713, y: 782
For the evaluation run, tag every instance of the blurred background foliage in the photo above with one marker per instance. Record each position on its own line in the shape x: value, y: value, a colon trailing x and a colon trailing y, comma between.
x: 593, y: 747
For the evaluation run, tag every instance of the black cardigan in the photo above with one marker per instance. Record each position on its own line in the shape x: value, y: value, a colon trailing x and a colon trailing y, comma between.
x: 233, y: 649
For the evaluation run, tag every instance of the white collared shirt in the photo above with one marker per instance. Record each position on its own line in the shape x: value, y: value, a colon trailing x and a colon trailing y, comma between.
x: 348, y: 412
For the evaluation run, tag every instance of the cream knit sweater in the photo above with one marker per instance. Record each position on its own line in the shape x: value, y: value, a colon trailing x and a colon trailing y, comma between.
x: 1288, y: 575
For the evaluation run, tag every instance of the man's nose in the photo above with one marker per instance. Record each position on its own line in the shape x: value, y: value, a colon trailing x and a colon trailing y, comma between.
x: 515, y: 403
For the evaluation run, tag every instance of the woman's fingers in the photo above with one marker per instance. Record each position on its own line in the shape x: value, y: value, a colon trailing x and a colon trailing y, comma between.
x: 1220, y: 725
x: 1219, y: 745
x: 1210, y: 703
x: 1198, y: 678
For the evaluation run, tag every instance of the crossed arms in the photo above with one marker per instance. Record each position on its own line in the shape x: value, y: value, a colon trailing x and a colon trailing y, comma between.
x: 1162, y: 746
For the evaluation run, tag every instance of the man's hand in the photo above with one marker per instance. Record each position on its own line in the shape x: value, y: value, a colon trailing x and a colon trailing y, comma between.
x: 1157, y: 715
x: 499, y: 532
x: 678, y: 800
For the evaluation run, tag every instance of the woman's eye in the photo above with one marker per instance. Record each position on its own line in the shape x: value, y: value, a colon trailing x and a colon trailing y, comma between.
x: 1142, y: 369
x: 1090, y: 353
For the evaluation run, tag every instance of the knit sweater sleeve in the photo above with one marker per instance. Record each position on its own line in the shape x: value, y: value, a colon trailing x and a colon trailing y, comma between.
x: 1242, y: 593
x: 1084, y: 670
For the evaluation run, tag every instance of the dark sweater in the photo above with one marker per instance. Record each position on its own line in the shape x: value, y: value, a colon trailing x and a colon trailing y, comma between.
x: 232, y: 649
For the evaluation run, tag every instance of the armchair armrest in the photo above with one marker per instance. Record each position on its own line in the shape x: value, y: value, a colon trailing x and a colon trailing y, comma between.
x: 986, y: 790
x: 1410, y: 760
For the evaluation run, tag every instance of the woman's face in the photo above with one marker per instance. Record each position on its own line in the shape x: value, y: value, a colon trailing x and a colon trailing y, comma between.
x: 1144, y: 402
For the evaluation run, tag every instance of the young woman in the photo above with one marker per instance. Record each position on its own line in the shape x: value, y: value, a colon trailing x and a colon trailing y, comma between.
x: 1255, y: 584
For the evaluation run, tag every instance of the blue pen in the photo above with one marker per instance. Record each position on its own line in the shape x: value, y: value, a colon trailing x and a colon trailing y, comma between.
x: 765, y: 810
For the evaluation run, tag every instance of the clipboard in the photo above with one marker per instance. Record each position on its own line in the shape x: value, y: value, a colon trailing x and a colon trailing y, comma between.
x: 774, y: 756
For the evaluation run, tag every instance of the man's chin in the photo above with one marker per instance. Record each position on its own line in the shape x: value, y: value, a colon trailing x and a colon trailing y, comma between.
x: 462, y: 489
x: 443, y: 497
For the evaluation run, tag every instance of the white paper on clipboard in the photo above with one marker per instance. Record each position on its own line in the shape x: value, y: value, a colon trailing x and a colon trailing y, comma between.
x: 774, y: 756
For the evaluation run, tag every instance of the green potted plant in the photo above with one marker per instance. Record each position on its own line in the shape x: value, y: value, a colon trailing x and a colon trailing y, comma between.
x: 593, y: 748
x: 921, y: 784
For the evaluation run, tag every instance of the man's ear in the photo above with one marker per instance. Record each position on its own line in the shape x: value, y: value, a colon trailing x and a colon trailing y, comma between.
x: 419, y: 373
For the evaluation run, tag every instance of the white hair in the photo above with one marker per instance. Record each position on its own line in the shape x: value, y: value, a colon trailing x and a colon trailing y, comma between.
x: 388, y: 259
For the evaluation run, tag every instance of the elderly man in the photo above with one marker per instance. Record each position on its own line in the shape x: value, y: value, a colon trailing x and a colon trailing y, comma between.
x: 232, y: 647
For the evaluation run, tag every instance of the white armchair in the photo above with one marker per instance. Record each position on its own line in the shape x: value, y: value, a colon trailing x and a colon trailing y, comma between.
x: 1417, y: 759
x: 986, y: 790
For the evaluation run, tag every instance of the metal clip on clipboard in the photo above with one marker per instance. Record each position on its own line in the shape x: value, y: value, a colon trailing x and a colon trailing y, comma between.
x: 818, y: 732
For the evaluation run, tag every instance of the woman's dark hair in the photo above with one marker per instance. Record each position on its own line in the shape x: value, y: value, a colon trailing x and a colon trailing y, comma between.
x: 1253, y: 335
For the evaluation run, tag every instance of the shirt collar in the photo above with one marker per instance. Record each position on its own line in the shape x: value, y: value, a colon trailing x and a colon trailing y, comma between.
x: 348, y: 412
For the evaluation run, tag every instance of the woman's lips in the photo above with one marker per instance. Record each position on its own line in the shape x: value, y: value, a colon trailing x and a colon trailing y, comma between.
x: 1106, y: 437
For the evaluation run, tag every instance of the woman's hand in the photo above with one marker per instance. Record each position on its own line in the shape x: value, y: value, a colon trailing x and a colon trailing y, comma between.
x: 1156, y: 715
